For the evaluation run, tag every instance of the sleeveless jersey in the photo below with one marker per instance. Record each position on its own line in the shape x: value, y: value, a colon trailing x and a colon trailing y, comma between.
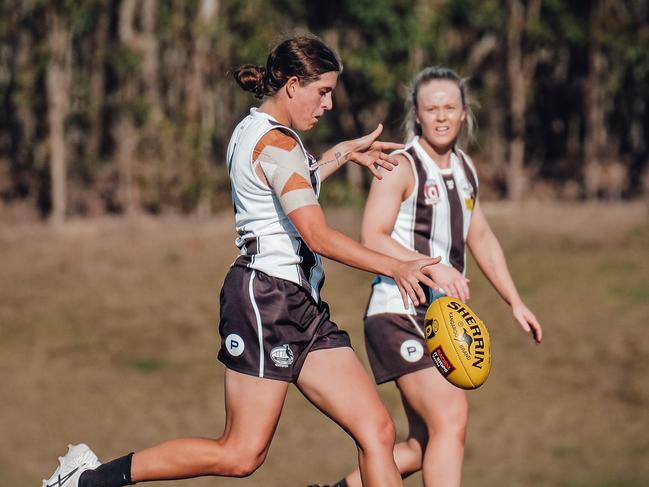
x: 267, y: 240
x: 433, y: 220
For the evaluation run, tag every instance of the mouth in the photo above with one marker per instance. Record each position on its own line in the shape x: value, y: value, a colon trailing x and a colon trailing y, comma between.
x: 442, y: 130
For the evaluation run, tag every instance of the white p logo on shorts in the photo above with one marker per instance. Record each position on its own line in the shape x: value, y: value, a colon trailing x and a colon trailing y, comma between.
x: 234, y: 344
x: 412, y: 350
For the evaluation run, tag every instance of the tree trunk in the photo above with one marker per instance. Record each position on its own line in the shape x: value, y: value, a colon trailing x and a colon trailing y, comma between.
x: 595, y: 130
x: 97, y: 82
x: 206, y: 17
x: 520, y: 70
x: 124, y: 133
x: 150, y: 57
x: 497, y: 144
x: 350, y: 129
x: 127, y: 194
x: 24, y: 108
x: 57, y: 82
x: 201, y: 97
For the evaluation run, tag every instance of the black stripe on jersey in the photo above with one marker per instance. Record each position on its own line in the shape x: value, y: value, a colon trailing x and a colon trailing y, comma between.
x: 423, y: 212
x: 456, y: 255
x: 469, y: 174
x: 308, y: 261
x: 312, y: 173
x: 251, y: 247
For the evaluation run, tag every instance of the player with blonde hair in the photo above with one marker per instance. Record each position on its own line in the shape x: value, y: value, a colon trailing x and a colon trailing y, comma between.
x: 429, y: 206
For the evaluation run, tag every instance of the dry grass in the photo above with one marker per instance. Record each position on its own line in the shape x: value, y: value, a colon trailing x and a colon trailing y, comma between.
x: 108, y: 335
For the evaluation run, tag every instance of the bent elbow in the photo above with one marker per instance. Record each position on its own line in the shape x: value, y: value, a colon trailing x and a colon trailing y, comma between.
x: 372, y: 240
x: 316, y: 241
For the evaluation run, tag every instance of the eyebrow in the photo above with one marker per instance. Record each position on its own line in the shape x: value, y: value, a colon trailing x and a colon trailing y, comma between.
x: 434, y: 105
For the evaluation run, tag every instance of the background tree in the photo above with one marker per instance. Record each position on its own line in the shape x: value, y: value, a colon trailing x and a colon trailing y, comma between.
x: 125, y: 106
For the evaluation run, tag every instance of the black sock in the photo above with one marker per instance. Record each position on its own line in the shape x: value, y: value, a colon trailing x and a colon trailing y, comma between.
x: 116, y: 473
x: 342, y: 483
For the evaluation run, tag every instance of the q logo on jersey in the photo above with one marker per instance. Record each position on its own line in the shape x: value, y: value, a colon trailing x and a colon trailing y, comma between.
x: 431, y: 192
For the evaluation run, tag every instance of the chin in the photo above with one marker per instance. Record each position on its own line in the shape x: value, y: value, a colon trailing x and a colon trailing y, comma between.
x: 307, y: 126
x: 441, y: 145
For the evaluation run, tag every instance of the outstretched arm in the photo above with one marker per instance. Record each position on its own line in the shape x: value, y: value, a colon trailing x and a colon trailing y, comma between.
x: 280, y: 163
x: 490, y: 258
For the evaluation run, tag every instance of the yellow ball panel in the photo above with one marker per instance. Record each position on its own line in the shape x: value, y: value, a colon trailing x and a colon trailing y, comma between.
x: 458, y: 342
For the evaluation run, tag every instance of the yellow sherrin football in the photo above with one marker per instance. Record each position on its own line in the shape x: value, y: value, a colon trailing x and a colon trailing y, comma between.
x: 458, y: 342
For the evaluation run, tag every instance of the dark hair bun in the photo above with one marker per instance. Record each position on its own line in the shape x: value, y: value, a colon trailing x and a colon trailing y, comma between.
x: 251, y: 78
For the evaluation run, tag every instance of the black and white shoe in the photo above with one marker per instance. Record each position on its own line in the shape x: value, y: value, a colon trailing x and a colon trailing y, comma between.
x: 77, y: 460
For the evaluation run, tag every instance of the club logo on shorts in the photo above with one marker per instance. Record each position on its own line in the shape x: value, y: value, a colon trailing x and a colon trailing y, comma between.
x: 431, y: 192
x: 234, y: 344
x: 282, y: 356
x: 412, y: 350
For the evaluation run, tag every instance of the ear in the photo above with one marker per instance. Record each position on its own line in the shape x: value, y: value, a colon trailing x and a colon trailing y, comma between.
x: 291, y: 86
x: 463, y: 117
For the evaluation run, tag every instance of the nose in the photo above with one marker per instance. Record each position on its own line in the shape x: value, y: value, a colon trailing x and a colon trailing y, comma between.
x: 328, y: 102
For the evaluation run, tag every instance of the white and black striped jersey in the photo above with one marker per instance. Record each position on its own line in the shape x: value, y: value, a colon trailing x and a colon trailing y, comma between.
x: 267, y: 240
x: 433, y: 220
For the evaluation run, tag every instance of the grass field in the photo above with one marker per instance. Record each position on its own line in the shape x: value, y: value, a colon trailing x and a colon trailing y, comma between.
x: 108, y: 335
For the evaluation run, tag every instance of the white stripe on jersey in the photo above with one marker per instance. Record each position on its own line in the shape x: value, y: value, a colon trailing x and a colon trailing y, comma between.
x: 431, y: 189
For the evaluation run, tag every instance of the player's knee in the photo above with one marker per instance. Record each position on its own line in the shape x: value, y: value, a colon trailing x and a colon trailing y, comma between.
x: 454, y: 424
x: 380, y: 432
x: 239, y: 460
x: 246, y: 466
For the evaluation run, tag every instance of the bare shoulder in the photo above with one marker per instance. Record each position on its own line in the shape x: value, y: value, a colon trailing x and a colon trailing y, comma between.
x: 402, y: 173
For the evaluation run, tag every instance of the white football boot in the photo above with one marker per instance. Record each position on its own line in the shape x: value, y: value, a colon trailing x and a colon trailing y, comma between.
x: 77, y: 460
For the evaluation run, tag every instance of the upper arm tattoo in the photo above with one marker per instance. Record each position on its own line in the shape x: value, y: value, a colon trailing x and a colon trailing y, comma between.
x: 283, y: 163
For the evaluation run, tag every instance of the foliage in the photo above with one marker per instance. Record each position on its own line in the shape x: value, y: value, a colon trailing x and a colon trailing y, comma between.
x: 182, y: 135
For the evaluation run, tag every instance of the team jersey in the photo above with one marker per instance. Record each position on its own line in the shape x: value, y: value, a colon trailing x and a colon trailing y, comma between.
x: 267, y: 240
x: 433, y: 220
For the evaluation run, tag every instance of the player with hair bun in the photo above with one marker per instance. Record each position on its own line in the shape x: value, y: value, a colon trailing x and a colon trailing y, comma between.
x: 275, y: 329
x: 429, y: 206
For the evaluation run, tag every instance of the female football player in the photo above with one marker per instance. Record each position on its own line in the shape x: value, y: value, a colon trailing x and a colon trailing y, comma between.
x: 429, y: 206
x: 274, y: 327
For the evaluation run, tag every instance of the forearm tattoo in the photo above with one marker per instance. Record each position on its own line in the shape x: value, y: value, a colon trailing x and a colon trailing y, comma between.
x: 339, y: 159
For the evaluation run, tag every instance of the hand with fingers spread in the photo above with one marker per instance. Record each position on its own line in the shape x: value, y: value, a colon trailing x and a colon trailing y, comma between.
x: 451, y: 282
x: 369, y: 152
x: 527, y: 320
x: 408, y: 275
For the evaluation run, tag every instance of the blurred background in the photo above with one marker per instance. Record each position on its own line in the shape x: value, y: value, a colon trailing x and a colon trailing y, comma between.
x: 116, y: 228
x: 125, y: 107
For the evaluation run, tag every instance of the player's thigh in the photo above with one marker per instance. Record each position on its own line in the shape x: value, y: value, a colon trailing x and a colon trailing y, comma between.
x: 438, y: 403
x: 336, y: 382
x: 253, y: 407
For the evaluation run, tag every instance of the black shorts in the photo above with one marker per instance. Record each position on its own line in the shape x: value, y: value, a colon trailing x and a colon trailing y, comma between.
x: 269, y: 325
x: 396, y: 345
